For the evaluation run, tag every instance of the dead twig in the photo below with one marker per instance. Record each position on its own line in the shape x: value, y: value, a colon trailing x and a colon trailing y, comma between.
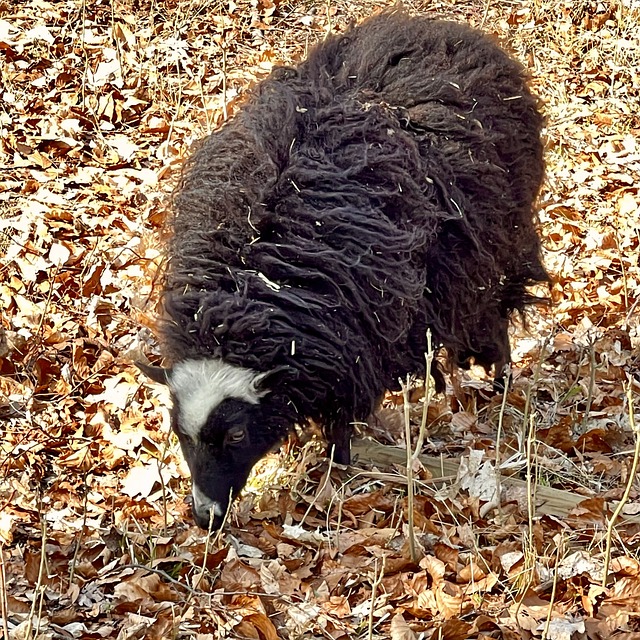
x: 627, y: 490
x: 377, y: 580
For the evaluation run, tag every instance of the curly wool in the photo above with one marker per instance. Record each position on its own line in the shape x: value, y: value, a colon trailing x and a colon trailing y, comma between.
x: 383, y: 186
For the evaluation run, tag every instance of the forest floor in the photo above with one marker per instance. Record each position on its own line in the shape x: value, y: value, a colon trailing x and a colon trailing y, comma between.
x: 99, y: 103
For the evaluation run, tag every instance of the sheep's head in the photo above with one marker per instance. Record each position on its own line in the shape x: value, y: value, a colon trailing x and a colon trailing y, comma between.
x: 219, y: 420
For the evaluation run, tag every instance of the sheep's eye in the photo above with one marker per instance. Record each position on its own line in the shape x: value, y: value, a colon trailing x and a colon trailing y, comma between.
x: 236, y: 436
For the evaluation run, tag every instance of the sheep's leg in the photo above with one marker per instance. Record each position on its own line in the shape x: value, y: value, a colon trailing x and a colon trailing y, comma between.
x: 500, y: 378
x: 438, y: 378
x: 501, y: 367
x: 339, y: 443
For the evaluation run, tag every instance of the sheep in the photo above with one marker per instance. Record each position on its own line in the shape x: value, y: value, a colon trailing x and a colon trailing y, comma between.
x: 383, y: 187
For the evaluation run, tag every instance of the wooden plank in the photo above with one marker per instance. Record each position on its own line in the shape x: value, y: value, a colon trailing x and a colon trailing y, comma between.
x: 550, y: 501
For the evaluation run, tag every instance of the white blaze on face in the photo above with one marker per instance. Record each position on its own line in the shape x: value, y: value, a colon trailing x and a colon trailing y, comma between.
x: 201, y: 385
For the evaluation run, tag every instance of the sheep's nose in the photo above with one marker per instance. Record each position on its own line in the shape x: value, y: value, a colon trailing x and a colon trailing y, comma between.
x: 206, y: 512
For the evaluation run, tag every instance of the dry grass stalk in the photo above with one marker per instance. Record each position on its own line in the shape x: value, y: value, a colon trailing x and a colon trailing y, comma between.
x: 531, y: 473
x: 560, y: 552
x: 211, y: 542
x: 38, y: 591
x: 413, y: 454
x: 160, y: 463
x: 503, y: 407
x: 377, y: 580
x: 80, y: 538
x: 225, y: 114
x: 339, y: 518
x: 4, y: 607
x: 428, y: 395
x: 592, y: 383
x: 410, y: 485
x: 627, y: 490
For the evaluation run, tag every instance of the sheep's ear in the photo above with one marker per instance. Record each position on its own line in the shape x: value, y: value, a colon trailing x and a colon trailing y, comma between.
x: 261, y: 384
x: 157, y: 374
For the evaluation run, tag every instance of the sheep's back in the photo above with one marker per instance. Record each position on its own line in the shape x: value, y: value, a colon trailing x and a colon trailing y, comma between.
x: 382, y: 186
x: 477, y: 128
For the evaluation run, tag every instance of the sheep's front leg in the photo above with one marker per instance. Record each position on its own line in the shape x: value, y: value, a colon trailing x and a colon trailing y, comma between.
x: 339, y: 442
x: 501, y: 367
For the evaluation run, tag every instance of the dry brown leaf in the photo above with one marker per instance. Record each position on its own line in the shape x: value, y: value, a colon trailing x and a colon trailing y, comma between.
x: 400, y: 630
x: 264, y: 626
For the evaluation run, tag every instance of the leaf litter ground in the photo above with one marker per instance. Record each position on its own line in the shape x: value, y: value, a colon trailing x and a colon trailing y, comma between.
x: 100, y: 102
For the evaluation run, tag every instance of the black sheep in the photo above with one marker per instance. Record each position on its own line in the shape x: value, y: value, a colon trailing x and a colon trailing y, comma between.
x: 382, y: 187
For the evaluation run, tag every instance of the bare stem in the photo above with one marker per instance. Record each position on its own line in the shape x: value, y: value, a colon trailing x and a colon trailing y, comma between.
x: 39, y: 586
x: 410, y: 484
x: 503, y: 408
x: 3, y: 595
x: 377, y: 579
x: 627, y: 490
x: 559, y: 555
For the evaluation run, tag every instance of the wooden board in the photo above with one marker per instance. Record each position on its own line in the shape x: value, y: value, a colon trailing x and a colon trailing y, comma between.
x: 549, y: 501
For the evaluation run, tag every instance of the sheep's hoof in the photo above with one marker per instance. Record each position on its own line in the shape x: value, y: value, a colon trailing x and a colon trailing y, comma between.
x: 501, y: 381
x: 438, y: 379
x: 499, y: 384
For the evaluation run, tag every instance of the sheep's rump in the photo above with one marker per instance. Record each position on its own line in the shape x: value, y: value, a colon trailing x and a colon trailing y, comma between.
x: 383, y: 186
